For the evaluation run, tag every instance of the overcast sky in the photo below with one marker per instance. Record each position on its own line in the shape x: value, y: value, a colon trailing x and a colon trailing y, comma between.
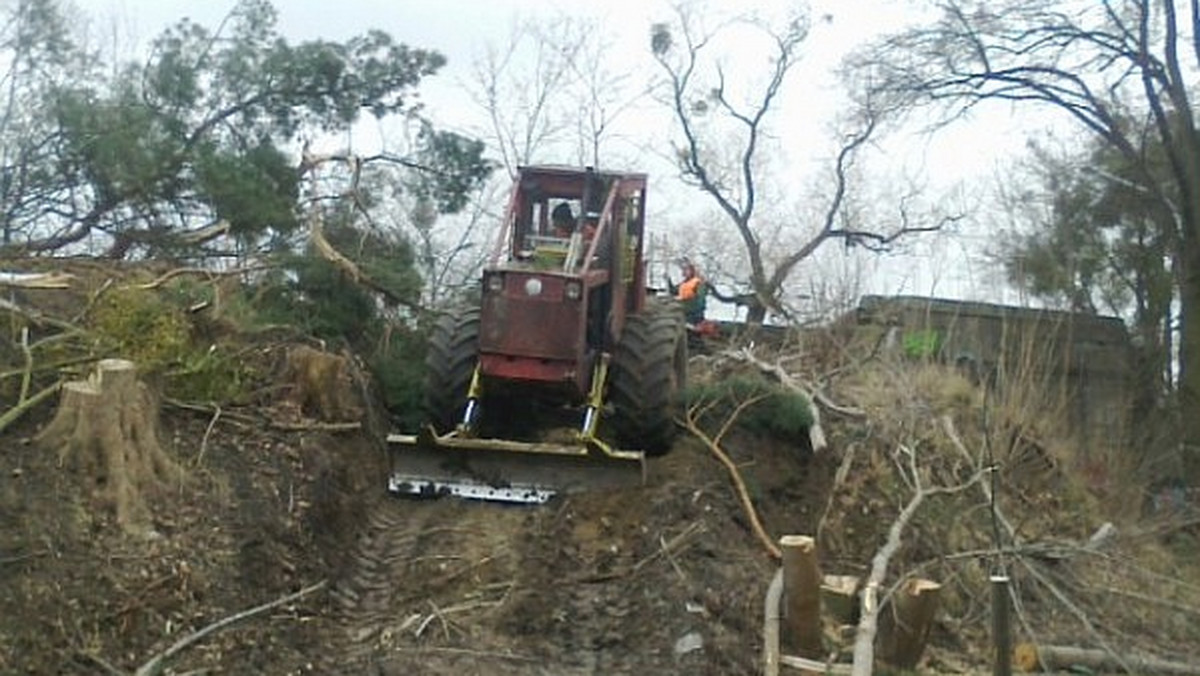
x: 461, y: 29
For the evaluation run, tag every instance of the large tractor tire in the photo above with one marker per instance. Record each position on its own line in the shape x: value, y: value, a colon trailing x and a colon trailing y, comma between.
x: 647, y: 378
x: 449, y: 365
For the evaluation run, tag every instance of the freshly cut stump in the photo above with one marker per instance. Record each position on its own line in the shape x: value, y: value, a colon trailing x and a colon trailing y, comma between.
x: 106, y: 430
x: 906, y: 623
x: 802, y: 595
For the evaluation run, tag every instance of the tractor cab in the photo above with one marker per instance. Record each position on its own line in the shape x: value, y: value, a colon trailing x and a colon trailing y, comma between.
x: 565, y: 272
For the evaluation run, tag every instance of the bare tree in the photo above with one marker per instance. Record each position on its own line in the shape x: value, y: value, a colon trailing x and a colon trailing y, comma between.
x: 551, y: 91
x: 42, y: 58
x: 1102, y: 65
x: 716, y: 124
x: 519, y: 84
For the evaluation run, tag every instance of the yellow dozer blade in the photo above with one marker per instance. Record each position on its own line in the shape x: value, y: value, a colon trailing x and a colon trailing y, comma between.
x: 504, y: 470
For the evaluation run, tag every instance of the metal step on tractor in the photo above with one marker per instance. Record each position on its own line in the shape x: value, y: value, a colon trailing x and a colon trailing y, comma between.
x: 565, y: 374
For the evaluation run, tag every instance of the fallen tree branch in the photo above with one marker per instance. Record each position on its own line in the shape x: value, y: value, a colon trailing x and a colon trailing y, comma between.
x: 739, y: 484
x: 998, y: 514
x: 868, y: 624
x: 1029, y: 658
x: 1152, y: 600
x: 203, y: 272
x: 156, y: 664
x: 38, y: 317
x: 815, y: 396
x: 37, y: 280
x: 1088, y: 625
x: 14, y: 414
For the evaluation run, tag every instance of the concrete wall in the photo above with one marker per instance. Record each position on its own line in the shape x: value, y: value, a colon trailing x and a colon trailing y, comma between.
x: 1084, y: 359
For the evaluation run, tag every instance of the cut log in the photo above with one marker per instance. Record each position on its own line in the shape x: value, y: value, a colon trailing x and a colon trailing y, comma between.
x: 106, y: 430
x: 905, y: 623
x: 1028, y: 657
x: 801, y: 596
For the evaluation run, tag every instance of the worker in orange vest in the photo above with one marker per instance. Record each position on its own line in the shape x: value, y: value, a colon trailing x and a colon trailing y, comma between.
x: 691, y: 293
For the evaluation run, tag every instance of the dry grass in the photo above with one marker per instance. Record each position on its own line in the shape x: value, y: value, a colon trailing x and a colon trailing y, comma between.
x: 1136, y: 590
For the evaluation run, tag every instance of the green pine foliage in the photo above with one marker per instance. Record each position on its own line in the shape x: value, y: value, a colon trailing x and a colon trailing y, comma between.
x: 151, y: 328
x: 774, y: 410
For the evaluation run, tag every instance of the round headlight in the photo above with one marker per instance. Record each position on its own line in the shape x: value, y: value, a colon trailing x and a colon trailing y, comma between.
x: 495, y: 283
x: 533, y: 286
x: 573, y: 290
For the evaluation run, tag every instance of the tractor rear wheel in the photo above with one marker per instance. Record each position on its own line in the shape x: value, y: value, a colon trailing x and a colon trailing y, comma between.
x: 449, y: 364
x: 647, y: 379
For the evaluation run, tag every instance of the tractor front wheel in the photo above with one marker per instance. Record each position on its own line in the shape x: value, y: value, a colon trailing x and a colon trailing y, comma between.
x: 647, y: 378
x: 449, y: 365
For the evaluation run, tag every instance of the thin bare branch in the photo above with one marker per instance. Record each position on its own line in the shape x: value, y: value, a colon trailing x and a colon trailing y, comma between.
x: 156, y: 664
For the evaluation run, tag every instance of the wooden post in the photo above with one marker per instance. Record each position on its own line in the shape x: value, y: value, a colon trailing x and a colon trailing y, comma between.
x: 906, y: 621
x: 1001, y: 626
x: 801, y: 596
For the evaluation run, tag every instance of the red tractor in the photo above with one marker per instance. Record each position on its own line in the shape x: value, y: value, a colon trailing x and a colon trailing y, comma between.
x: 564, y: 374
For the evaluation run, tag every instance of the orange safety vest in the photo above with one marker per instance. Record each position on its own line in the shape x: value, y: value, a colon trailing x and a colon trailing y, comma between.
x: 689, y: 288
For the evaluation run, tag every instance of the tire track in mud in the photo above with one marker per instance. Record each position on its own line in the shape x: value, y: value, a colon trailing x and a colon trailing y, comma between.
x: 412, y: 565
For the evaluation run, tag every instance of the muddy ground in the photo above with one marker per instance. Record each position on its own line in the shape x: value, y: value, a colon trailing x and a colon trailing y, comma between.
x: 664, y: 578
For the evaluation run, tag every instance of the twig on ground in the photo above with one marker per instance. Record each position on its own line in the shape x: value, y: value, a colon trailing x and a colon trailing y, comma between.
x: 155, y: 664
x: 13, y: 414
x: 27, y: 376
x: 229, y: 417
x: 468, y: 652
x: 839, y: 478
x: 23, y: 557
x: 437, y: 613
x: 662, y: 544
x: 207, y: 432
x: 315, y: 426
x: 98, y: 661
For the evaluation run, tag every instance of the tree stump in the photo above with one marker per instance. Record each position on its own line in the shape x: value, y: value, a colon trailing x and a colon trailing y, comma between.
x: 802, y: 595
x: 320, y: 385
x: 106, y: 430
x: 839, y: 598
x: 905, y: 624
